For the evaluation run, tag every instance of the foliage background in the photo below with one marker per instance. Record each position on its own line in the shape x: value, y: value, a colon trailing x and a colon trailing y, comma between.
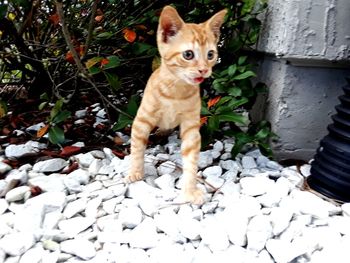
x: 116, y: 44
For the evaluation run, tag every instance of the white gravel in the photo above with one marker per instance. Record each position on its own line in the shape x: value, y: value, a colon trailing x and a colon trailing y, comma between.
x: 255, y: 211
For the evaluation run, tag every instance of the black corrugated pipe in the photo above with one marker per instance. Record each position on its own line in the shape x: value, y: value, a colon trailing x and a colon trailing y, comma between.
x: 330, y: 170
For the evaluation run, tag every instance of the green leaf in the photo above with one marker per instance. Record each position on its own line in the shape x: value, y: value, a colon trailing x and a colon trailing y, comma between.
x: 122, y: 122
x: 114, y: 62
x: 56, y: 109
x: 3, y: 10
x: 42, y: 105
x: 92, y: 61
x: 3, y: 108
x: 132, y: 105
x: 244, y: 75
x: 232, y: 70
x: 241, y: 139
x: 241, y: 60
x: 113, y: 80
x: 263, y: 134
x: 218, y: 86
x: 265, y: 149
x: 235, y: 91
x: 61, y: 116
x: 204, y: 110
x: 236, y: 103
x: 213, y: 123
x: 142, y: 48
x: 94, y: 70
x: 56, y: 135
x: 44, y: 96
x: 233, y: 117
x: 104, y: 35
x: 223, y: 100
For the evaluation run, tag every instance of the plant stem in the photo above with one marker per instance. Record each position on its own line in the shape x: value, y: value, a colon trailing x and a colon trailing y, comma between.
x: 78, y: 62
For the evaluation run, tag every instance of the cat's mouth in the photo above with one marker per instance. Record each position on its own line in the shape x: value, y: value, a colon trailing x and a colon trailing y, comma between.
x: 198, y: 80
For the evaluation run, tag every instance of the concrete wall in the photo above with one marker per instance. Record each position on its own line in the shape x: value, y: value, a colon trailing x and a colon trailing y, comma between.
x: 307, y: 47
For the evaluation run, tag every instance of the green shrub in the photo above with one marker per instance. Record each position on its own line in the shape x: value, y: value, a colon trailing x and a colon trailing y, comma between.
x: 116, y: 43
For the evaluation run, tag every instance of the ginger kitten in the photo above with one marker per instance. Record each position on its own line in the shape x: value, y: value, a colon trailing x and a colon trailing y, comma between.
x: 171, y: 98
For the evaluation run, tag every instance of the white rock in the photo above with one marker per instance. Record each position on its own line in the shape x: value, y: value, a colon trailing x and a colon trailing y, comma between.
x: 4, y: 167
x: 189, y: 228
x: 226, y: 156
x: 75, y: 225
x: 168, y: 223
x: 3, y: 185
x: 274, y: 165
x: 2, y: 256
x: 215, y: 154
x: 16, y: 244
x: 255, y: 186
x: 205, y: 159
x: 15, y: 174
x: 165, y: 181
x: 49, y: 183
x: 80, y: 176
x: 79, y: 247
x: 163, y: 157
x: 346, y: 209
x: 144, y: 235
x: 166, y: 168
x: 51, y: 220
x: 75, y: 207
x: 279, y: 250
x: 309, y: 203
x: 236, y: 227
x: 230, y: 165
x: 3, y: 205
x: 20, y: 150
x: 293, y: 176
x: 218, y: 146
x: 297, y: 226
x: 258, y: 232
x: 340, y: 224
x: 110, y: 205
x: 168, y: 252
x: 214, y: 181
x: 72, y: 185
x: 231, y: 189
x: 230, y: 175
x: 95, y: 166
x: 209, y: 207
x: 18, y: 193
x: 33, y: 255
x: 262, y: 161
x: 140, y: 190
x: 275, y: 194
x: 228, y: 147
x: 151, y: 170
x: 91, y: 209
x: 212, y: 171
x: 305, y: 170
x: 80, y: 114
x: 51, y: 165
x: 280, y: 219
x: 248, y: 162
x: 35, y: 127
x: 111, y: 230
x: 93, y: 186
x: 130, y: 217
x: 214, y: 235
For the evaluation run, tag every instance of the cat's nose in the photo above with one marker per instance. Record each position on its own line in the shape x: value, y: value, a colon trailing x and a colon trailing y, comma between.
x: 203, y: 71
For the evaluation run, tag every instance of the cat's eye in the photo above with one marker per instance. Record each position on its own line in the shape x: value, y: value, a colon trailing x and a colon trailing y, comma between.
x: 188, y: 54
x: 210, y: 54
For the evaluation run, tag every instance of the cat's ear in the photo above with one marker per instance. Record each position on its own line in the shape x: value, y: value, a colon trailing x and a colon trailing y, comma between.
x: 169, y: 23
x: 215, y: 22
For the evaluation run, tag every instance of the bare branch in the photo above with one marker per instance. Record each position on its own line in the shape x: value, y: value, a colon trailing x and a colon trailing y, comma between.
x: 78, y: 62
x: 91, y: 27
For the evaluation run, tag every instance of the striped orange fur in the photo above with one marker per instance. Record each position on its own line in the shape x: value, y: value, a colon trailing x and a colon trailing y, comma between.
x: 171, y: 98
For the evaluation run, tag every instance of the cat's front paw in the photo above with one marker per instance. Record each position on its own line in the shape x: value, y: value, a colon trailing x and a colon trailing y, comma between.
x: 133, y: 177
x: 194, y: 196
